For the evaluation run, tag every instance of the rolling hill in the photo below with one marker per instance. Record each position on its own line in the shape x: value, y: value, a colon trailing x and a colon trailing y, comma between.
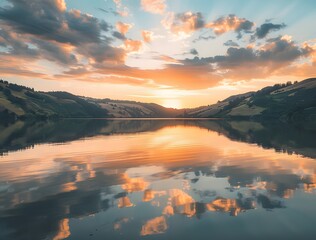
x: 19, y: 102
x: 295, y: 102
x: 286, y: 102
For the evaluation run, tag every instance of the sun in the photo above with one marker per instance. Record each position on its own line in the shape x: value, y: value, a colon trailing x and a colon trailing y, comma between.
x: 172, y: 103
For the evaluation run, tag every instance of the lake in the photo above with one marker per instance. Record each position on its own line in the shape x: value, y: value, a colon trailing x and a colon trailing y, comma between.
x: 157, y: 179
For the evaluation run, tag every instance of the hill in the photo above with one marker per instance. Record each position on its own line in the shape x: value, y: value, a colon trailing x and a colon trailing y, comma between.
x: 19, y: 102
x: 285, y: 137
x: 132, y: 109
x: 296, y: 102
x: 286, y: 102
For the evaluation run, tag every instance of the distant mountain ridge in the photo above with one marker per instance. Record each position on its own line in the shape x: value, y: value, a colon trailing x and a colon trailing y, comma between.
x: 288, y: 101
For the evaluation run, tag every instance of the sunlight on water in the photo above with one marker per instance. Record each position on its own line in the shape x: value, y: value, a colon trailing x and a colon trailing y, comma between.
x: 177, y: 181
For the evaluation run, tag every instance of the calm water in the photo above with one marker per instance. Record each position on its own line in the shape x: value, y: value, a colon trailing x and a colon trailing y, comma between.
x: 157, y: 180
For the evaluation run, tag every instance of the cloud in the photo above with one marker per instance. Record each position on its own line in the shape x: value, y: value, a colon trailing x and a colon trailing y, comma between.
x: 15, y: 45
x: 231, y: 43
x: 249, y: 63
x: 18, y: 47
x: 266, y: 28
x: 188, y: 22
x: 66, y: 33
x: 85, y: 48
x: 147, y: 36
x: 12, y: 66
x: 121, y: 10
x: 109, y: 10
x: 193, y: 51
x: 154, y: 6
x: 118, y: 35
x: 278, y: 50
x: 168, y: 59
x: 183, y: 23
x: 195, y: 73
x: 203, y: 37
x: 56, y: 52
x: 132, y: 45
x: 123, y: 28
x: 49, y: 20
x: 231, y: 23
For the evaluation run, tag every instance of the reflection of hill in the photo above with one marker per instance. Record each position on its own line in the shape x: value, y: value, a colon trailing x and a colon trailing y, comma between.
x: 279, y: 136
x: 70, y: 186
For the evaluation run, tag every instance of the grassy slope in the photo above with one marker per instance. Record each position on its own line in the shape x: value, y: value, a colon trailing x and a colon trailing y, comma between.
x: 21, y: 102
x: 127, y: 109
x: 288, y: 102
x: 294, y: 102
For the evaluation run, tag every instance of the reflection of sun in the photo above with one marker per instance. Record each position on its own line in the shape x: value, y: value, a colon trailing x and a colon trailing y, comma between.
x: 171, y: 103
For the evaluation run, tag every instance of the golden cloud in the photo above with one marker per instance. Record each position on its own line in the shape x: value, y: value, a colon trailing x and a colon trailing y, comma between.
x: 147, y: 36
x: 154, y: 6
x: 123, y: 28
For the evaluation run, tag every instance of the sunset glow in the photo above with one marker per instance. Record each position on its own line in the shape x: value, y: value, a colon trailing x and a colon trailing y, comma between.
x: 172, y: 103
x: 135, y: 50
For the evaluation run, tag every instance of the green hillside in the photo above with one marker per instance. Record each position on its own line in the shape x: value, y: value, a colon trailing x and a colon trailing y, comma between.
x: 286, y: 102
x: 290, y: 101
x: 19, y: 102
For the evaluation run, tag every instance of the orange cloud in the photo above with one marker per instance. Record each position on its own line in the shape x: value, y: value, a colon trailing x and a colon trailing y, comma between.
x: 157, y: 225
x: 61, y: 5
x: 134, y: 184
x: 154, y: 6
x: 168, y: 59
x: 147, y: 36
x: 132, y: 45
x: 123, y: 28
x: 230, y: 23
x: 64, y: 229
x: 124, y: 202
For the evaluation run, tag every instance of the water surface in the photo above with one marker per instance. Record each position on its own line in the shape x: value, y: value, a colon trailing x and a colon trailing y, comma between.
x: 157, y: 180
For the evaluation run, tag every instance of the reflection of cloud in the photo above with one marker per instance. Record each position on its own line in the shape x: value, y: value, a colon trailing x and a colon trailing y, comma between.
x: 310, y: 183
x: 224, y: 205
x: 183, y: 203
x: 157, y: 225
x: 67, y: 187
x: 124, y: 202
x: 134, y: 184
x: 64, y: 230
x: 168, y: 210
x: 178, y: 197
x: 150, y: 194
x: 266, y: 174
x: 119, y: 223
x: 269, y: 203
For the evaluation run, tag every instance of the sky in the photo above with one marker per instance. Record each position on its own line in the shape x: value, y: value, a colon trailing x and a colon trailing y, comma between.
x: 177, y: 53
